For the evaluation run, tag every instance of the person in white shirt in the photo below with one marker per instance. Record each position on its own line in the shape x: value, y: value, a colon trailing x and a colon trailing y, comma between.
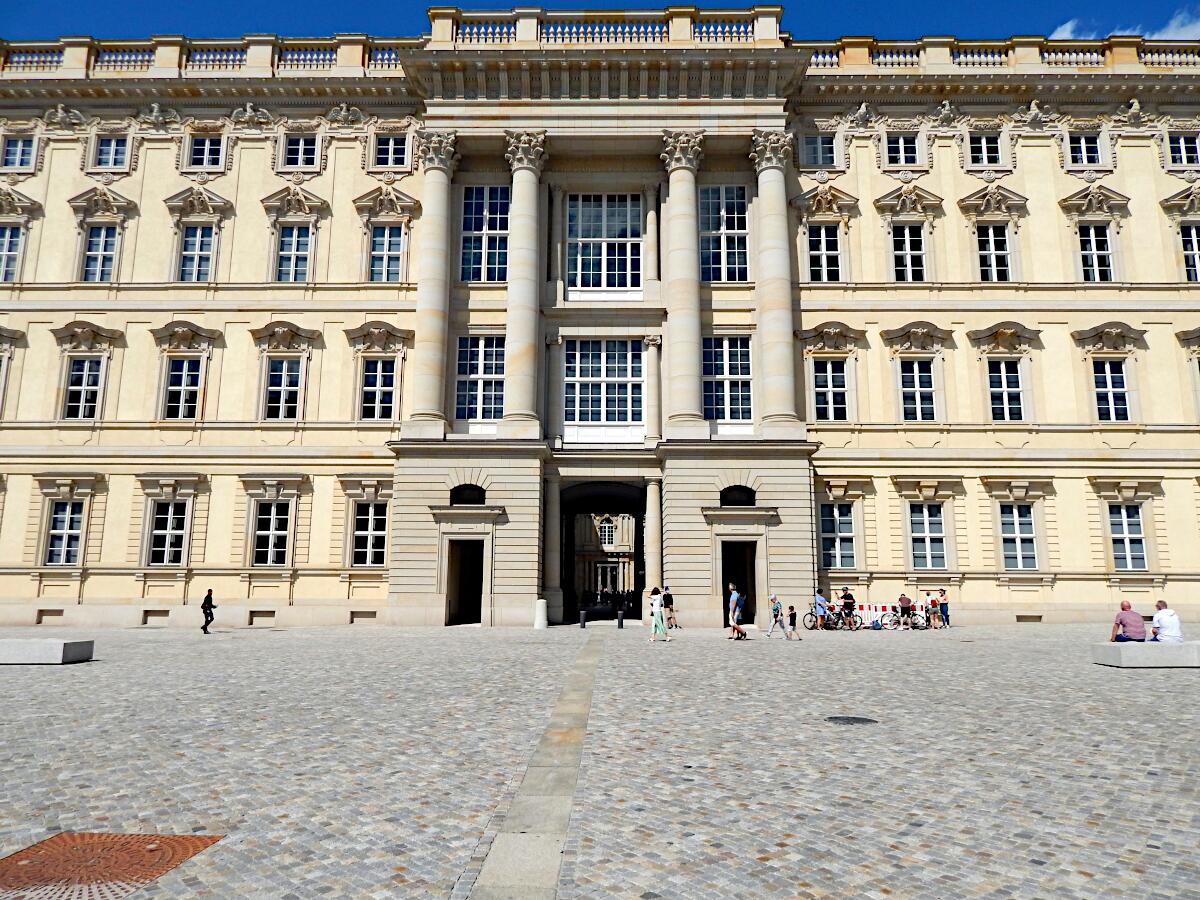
x: 1165, y: 625
x: 657, y: 626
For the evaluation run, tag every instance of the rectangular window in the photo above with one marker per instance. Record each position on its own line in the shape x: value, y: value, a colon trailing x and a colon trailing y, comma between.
x: 837, y: 535
x: 1018, y: 539
x: 1112, y: 392
x: 829, y: 390
x: 485, y: 233
x: 1128, y: 541
x: 604, y: 241
x: 993, y: 252
x: 985, y: 149
x: 479, y: 392
x: 918, y: 397
x: 82, y: 397
x: 726, y: 365
x: 300, y: 151
x: 182, y: 397
x: 370, y: 534
x: 603, y: 381
x: 100, y: 253
x: 723, y: 234
x: 196, y: 252
x: 1004, y: 390
x: 168, y: 532
x: 818, y: 151
x: 908, y: 252
x: 1190, y: 234
x: 205, y: 151
x: 10, y: 251
x: 378, y: 389
x: 110, y: 152
x: 902, y: 150
x: 1185, y: 149
x: 292, y: 262
x: 1084, y: 149
x: 64, y: 533
x: 271, y: 532
x: 282, y: 400
x: 1095, y: 253
x: 391, y: 151
x: 17, y: 153
x: 387, y: 252
x: 928, y: 534
x: 824, y: 253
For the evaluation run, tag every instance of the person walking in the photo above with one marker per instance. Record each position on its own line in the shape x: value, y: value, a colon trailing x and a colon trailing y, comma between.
x: 207, y: 606
x: 776, y: 617
x: 735, y: 614
x: 933, y: 611
x: 791, y: 625
x: 657, y: 626
x: 944, y: 607
x: 669, y: 606
x: 821, y: 608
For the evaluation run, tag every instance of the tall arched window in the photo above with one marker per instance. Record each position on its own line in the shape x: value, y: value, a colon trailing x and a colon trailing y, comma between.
x: 737, y: 495
x: 608, y: 533
x: 468, y: 495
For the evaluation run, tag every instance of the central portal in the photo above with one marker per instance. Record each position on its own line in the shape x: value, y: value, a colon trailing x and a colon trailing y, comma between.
x: 603, y: 567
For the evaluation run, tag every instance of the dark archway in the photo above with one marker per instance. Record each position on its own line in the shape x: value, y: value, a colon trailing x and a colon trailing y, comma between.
x: 612, y: 499
x: 737, y: 495
x: 467, y: 495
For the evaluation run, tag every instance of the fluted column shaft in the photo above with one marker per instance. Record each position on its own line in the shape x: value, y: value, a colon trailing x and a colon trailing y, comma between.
x: 682, y: 157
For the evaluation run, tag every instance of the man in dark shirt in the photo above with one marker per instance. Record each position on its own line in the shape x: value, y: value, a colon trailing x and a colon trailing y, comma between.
x: 906, y: 607
x: 207, y: 607
x: 849, y: 606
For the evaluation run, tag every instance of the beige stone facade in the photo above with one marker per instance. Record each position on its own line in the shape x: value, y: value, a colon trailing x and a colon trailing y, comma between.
x: 355, y: 330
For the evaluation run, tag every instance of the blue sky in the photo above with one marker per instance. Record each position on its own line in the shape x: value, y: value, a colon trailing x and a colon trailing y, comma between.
x: 805, y: 19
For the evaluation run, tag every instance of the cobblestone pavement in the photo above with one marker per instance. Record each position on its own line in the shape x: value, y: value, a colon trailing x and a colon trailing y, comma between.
x: 373, y: 762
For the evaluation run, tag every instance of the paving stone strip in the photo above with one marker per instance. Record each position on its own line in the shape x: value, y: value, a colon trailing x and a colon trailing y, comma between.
x: 524, y: 857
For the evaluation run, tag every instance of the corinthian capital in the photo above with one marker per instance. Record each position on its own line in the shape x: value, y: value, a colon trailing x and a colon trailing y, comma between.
x: 525, y: 150
x: 682, y: 149
x: 437, y: 149
x: 770, y: 149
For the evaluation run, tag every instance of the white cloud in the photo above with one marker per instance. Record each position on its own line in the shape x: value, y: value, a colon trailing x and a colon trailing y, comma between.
x: 1184, y: 25
x: 1070, y: 31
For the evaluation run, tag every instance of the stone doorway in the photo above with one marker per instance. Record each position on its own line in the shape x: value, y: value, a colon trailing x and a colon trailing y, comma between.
x: 602, y: 542
x: 464, y: 582
x: 737, y: 567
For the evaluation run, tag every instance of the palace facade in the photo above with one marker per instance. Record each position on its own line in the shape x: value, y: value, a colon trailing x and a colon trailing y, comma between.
x: 555, y: 305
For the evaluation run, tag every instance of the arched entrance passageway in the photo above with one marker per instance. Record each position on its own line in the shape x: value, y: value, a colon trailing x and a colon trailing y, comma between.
x: 603, y: 563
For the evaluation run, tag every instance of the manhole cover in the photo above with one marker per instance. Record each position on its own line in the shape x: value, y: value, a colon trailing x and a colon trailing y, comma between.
x: 87, y: 866
x: 850, y: 720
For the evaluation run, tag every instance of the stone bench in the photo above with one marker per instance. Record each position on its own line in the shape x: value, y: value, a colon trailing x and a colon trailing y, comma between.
x: 1132, y: 655
x: 43, y: 651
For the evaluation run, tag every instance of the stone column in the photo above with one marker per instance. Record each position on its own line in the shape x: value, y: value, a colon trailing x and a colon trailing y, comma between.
x: 653, y: 389
x: 526, y: 153
x: 558, y: 238
x: 652, y: 539
x: 438, y: 157
x: 554, y: 388
x: 650, y: 238
x: 685, y: 411
x: 552, y: 550
x: 770, y: 152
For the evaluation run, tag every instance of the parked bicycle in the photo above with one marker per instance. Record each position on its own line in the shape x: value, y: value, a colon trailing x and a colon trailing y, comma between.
x: 892, y: 619
x: 834, y: 619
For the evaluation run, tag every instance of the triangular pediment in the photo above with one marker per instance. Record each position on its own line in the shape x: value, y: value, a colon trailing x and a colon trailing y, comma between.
x: 384, y: 202
x: 1182, y: 204
x: 1095, y: 199
x: 197, y: 201
x: 101, y: 202
x: 909, y: 199
x: 994, y: 199
x: 293, y: 200
x: 826, y: 201
x: 14, y: 204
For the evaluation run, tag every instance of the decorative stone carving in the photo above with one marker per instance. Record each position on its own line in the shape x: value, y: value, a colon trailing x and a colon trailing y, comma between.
x: 1183, y: 204
x: 197, y: 203
x: 650, y: 340
x: 861, y: 117
x: 1130, y: 113
x: 437, y: 149
x: 847, y: 487
x: 770, y: 149
x: 908, y: 201
x: 1095, y: 201
x: 945, y: 115
x: 15, y: 205
x: 170, y: 485
x: 184, y: 335
x: 682, y: 149
x: 525, y: 150
x: 283, y: 335
x: 1004, y: 337
x: 379, y: 337
x: 68, y: 485
x: 1111, y: 336
x: 1190, y: 340
x: 831, y: 337
x: 369, y: 486
x: 1008, y: 488
x: 386, y: 202
x: 101, y: 203
x: 158, y: 118
x: 81, y: 335
x: 918, y: 336
x: 926, y: 489
x: 1034, y: 116
x: 293, y: 201
x: 59, y: 116
x: 273, y: 486
x: 9, y: 337
x: 1125, y: 490
x: 825, y: 202
x: 345, y: 115
x: 994, y: 202
x: 251, y: 116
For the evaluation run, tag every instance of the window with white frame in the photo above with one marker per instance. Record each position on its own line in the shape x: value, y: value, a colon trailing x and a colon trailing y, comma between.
x: 1184, y: 149
x: 196, y: 244
x: 1128, y: 538
x: 818, y: 151
x: 370, y: 533
x: 391, y: 151
x: 1005, y: 393
x: 479, y: 390
x: 602, y: 381
x: 984, y: 150
x: 281, y: 400
x: 724, y: 255
x: 377, y: 400
x: 1083, y: 149
x: 387, y: 252
x: 607, y: 531
x: 604, y: 241
x: 927, y: 533
x: 272, y: 530
x: 291, y: 260
x: 99, y: 253
x: 81, y: 398
x: 485, y: 233
x: 824, y: 253
x: 300, y: 151
x: 908, y: 252
x: 726, y: 373
x: 918, y: 393
x: 830, y: 393
x: 902, y: 150
x: 994, y: 259
x: 1095, y: 253
x: 1018, y: 536
x: 837, y: 535
x: 181, y: 387
x: 110, y: 152
x: 168, y: 533
x: 16, y: 152
x: 206, y: 151
x: 10, y: 251
x: 1189, y: 234
x: 64, y: 533
x: 1112, y: 390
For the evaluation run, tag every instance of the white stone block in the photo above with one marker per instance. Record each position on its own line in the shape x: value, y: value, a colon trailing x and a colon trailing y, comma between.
x: 1150, y: 655
x: 43, y: 651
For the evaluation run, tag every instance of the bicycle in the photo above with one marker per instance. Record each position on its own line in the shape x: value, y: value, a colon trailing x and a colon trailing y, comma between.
x: 853, y: 621
x: 892, y: 620
x: 810, y: 619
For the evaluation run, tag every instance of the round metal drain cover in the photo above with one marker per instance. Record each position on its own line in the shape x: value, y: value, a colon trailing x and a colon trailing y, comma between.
x: 851, y: 720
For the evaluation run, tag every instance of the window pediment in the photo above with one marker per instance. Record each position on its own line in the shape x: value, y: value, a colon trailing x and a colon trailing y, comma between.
x: 101, y: 204
x: 386, y: 203
x: 379, y: 337
x: 1004, y: 337
x: 68, y: 485
x: 81, y: 335
x: 197, y: 203
x: 927, y: 489
x: 282, y: 335
x: 1111, y: 336
x: 1127, y: 490
x: 994, y: 201
x: 826, y: 203
x: 184, y: 335
x: 1019, y: 489
x: 1095, y: 202
x: 368, y: 487
x: 909, y: 201
x: 831, y: 336
x: 9, y: 338
x: 15, y: 205
x: 272, y: 486
x: 847, y: 487
x: 170, y: 485
x: 916, y: 336
x: 293, y: 202
x: 1190, y: 340
x: 1183, y: 204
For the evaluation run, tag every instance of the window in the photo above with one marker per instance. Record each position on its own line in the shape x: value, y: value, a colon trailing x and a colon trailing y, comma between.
x: 292, y: 261
x: 1084, y: 149
x: 738, y: 495
x: 182, y: 394
x: 300, y: 151
x: 271, y: 527
x: 387, y: 252
x: 908, y: 252
x: 985, y: 149
x: 196, y: 252
x: 1185, y: 149
x: 485, y: 233
x: 1191, y: 250
x: 479, y: 392
x: 1112, y: 396
x: 917, y: 393
x: 1128, y: 541
x: 818, y: 151
x: 608, y: 533
x: 467, y: 495
x: 829, y: 390
x: 603, y: 381
x: 928, y: 535
x: 726, y: 365
x: 723, y: 234
x: 282, y: 401
x: 993, y: 252
x: 370, y: 534
x: 378, y: 389
x: 82, y: 397
x: 391, y: 151
x: 1004, y: 390
x: 1095, y: 253
x: 604, y: 241
x: 10, y: 251
x: 902, y: 150
x: 64, y: 535
x: 206, y: 151
x: 824, y: 253
x: 17, y: 153
x: 837, y: 535
x: 1018, y: 539
x: 100, y: 253
x: 110, y: 152
x: 168, y: 532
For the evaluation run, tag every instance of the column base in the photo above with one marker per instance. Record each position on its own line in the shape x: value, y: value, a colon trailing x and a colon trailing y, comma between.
x: 520, y: 428
x: 423, y: 429
x: 783, y: 427
x: 554, y: 605
x: 689, y: 429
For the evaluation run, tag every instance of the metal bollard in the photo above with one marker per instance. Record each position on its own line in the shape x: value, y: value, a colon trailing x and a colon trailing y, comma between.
x: 583, y: 618
x: 620, y: 618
